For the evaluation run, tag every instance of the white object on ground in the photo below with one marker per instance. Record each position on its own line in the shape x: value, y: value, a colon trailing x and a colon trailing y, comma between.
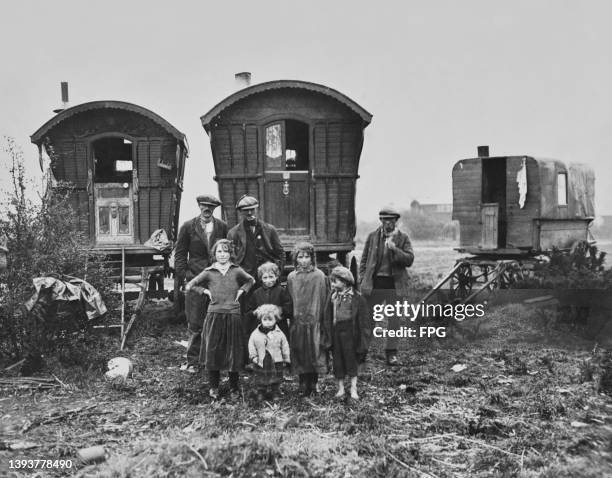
x: 458, y: 367
x: 577, y: 424
x: 119, y: 367
x: 91, y: 455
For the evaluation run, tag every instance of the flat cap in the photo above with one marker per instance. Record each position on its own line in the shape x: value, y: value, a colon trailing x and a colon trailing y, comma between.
x: 247, y: 202
x: 344, y: 274
x: 208, y: 199
x: 388, y: 212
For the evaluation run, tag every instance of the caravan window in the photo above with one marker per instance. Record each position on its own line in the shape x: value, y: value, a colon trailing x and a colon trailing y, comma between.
x: 562, y: 189
x: 113, y: 161
x: 287, y: 146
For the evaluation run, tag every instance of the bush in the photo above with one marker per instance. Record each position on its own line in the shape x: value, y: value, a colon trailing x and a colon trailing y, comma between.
x: 42, y: 240
x: 578, y: 280
x: 582, y: 268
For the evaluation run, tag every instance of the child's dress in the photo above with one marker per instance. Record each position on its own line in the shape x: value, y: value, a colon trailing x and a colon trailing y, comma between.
x: 269, y: 350
x: 223, y: 336
x: 308, y: 289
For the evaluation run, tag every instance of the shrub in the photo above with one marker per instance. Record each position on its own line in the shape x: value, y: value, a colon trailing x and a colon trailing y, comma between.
x: 582, y: 268
x: 578, y: 280
x: 43, y: 240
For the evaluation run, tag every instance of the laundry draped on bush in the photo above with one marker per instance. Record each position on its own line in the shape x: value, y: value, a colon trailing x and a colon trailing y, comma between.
x: 69, y: 289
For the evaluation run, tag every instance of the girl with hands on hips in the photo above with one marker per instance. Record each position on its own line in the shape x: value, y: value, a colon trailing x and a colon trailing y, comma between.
x: 223, y: 338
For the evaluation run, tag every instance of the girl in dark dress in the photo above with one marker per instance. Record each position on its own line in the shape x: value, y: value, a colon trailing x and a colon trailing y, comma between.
x: 223, y: 338
x: 270, y: 292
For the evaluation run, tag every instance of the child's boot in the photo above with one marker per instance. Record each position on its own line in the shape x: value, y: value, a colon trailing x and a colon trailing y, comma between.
x: 234, y: 386
x: 315, y: 382
x: 307, y: 385
x: 275, y: 392
x: 260, y: 395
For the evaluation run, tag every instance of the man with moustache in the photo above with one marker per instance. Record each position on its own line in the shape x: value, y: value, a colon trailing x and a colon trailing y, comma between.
x: 255, y: 241
x: 192, y: 255
x: 383, y: 270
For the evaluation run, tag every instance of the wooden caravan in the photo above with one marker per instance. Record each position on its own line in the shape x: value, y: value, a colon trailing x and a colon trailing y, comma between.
x: 126, y: 164
x: 515, y: 205
x: 512, y: 210
x: 296, y: 147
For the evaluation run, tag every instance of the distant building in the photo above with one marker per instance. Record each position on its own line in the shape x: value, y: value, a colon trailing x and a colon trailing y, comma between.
x: 441, y: 212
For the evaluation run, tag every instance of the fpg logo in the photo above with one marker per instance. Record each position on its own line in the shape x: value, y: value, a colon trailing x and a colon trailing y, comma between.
x: 432, y: 332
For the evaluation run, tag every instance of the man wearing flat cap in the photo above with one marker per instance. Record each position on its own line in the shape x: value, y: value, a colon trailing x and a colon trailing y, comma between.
x: 192, y: 255
x: 255, y: 241
x: 383, y: 270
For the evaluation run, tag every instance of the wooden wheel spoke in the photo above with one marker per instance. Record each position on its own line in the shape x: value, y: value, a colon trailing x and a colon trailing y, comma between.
x: 461, y: 281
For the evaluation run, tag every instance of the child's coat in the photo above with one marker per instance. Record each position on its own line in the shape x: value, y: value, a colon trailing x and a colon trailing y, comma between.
x: 274, y: 342
x: 349, y: 337
x: 308, y: 290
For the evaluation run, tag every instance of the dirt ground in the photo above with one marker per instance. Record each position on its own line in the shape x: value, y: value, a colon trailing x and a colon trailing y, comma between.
x: 527, y: 402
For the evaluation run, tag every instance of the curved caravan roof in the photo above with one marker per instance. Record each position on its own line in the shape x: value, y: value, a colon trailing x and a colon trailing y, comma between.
x: 38, y: 136
x: 365, y: 116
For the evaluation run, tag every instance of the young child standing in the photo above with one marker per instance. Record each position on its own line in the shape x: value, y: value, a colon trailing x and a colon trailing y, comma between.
x: 270, y: 292
x: 269, y: 351
x: 347, y: 328
x: 308, y: 288
x: 223, y: 337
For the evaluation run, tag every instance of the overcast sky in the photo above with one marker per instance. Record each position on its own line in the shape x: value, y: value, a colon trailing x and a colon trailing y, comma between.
x: 440, y: 77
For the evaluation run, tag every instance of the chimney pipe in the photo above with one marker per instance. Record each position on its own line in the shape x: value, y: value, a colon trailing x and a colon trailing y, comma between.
x: 483, y: 151
x: 64, y: 86
x: 242, y: 79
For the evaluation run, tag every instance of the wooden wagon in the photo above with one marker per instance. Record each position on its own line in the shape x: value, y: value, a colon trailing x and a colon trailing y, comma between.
x: 126, y: 166
x: 512, y: 209
x: 296, y: 147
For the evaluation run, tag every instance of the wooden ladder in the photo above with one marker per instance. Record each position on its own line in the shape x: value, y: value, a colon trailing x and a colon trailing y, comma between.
x: 142, y: 295
x: 141, y: 280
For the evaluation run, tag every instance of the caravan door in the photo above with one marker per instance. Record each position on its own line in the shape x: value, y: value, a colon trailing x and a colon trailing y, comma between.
x: 490, y: 219
x: 287, y: 177
x: 114, y: 213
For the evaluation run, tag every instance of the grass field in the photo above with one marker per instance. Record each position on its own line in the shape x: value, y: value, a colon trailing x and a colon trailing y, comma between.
x: 529, y: 398
x: 528, y: 402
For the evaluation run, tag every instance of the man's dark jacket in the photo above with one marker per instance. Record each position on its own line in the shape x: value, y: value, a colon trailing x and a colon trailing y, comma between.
x: 192, y: 243
x: 372, y: 255
x: 269, y: 237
